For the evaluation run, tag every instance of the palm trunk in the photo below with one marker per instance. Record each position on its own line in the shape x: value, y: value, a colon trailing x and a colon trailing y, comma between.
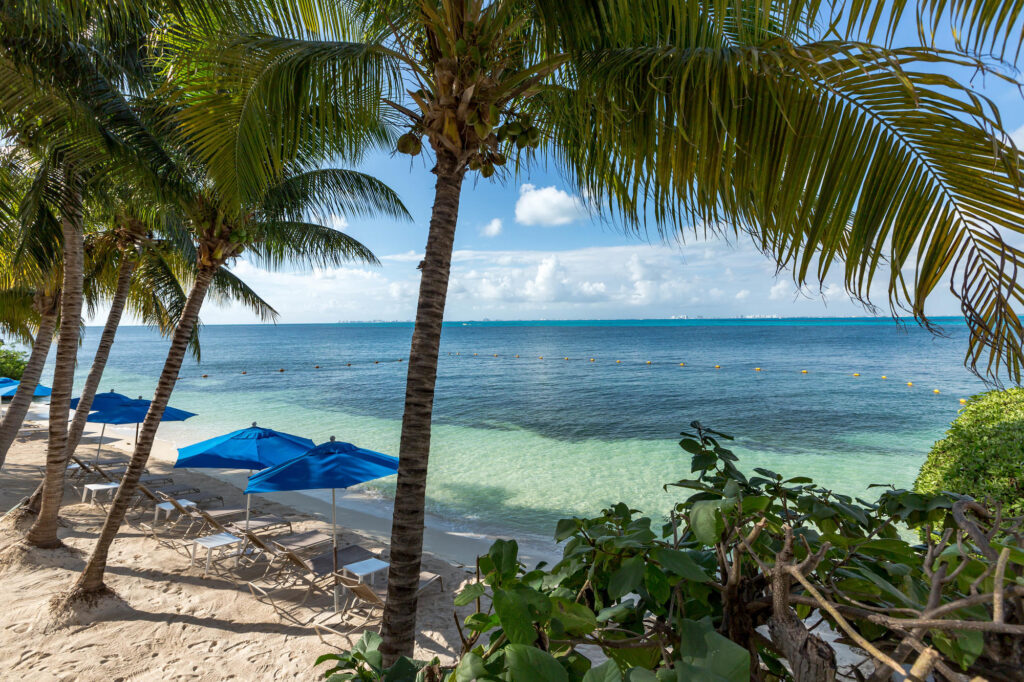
x: 43, y: 532
x: 16, y: 411
x: 407, y: 526
x: 99, y: 361
x: 92, y: 382
x: 91, y: 580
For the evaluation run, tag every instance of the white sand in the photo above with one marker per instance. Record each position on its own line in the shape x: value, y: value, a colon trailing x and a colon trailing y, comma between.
x: 174, y: 624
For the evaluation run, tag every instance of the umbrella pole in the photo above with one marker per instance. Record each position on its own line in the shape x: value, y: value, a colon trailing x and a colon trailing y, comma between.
x: 136, y: 434
x: 100, y: 444
x: 247, y: 500
x: 334, y: 546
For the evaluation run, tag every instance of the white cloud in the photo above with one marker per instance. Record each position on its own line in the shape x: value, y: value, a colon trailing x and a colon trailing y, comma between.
x: 338, y: 222
x: 780, y: 290
x: 633, y: 281
x: 547, y: 206
x: 491, y: 229
x: 1018, y: 136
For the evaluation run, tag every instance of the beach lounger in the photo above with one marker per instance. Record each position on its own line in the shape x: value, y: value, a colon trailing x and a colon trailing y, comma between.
x: 260, y: 524
x: 315, y: 574
x: 363, y: 603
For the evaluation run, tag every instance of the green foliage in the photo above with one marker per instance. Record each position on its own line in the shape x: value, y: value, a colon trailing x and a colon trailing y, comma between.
x: 680, y: 598
x: 982, y: 454
x: 12, y: 362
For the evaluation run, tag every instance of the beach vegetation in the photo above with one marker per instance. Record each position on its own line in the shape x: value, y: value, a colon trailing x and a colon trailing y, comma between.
x: 12, y: 362
x: 739, y: 583
x: 798, y: 124
x: 982, y: 453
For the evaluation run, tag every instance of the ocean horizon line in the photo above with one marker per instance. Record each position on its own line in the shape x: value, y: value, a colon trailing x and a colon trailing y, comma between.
x: 695, y: 321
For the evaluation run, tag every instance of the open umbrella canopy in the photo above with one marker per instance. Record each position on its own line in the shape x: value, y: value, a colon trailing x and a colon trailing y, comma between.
x: 134, y: 412
x: 332, y: 465
x: 105, y: 401
x: 8, y: 387
x: 252, y: 448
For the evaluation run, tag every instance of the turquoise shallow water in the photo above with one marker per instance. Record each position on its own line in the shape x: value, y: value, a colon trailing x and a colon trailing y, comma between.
x: 521, y: 442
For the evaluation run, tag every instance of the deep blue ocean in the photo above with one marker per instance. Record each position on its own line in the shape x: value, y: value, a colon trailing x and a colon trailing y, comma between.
x: 522, y: 441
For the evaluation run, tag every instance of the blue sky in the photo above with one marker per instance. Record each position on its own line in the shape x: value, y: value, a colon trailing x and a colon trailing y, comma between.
x: 525, y: 249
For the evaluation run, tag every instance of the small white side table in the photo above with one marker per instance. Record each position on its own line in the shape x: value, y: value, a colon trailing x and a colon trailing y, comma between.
x: 212, y: 542
x: 94, y: 488
x: 167, y: 508
x: 367, y: 568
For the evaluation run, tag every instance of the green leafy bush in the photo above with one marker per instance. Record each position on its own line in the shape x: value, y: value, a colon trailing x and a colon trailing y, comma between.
x: 12, y: 362
x: 982, y: 454
x: 685, y: 598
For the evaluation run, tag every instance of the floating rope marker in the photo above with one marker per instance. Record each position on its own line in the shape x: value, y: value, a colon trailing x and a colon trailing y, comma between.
x: 910, y: 383
x: 591, y: 359
x: 316, y: 366
x: 495, y: 355
x: 963, y: 401
x: 474, y: 354
x: 280, y: 370
x: 935, y: 391
x: 648, y: 362
x: 517, y: 355
x: 243, y: 371
x: 205, y: 375
x: 540, y: 357
x: 376, y: 362
x: 567, y: 358
x: 884, y: 377
x: 682, y: 364
x: 803, y: 371
x: 618, y: 362
x: 856, y: 374
x: 718, y: 367
x: 757, y: 369
x: 348, y: 364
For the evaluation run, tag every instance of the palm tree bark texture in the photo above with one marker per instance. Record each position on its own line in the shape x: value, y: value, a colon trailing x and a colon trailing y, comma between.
x: 48, y: 306
x: 43, y: 532
x: 99, y: 363
x: 90, y: 583
x: 407, y: 525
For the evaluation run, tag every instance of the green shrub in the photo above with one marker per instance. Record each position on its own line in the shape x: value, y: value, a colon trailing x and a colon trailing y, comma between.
x: 982, y: 454
x: 12, y: 363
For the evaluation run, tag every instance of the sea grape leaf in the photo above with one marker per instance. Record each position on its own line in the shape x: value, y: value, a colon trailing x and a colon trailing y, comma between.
x: 565, y: 528
x: 606, y: 672
x: 505, y: 556
x: 403, y: 670
x: 656, y: 583
x: 516, y: 620
x: 678, y: 562
x: 470, y: 667
x: 705, y: 521
x: 711, y: 653
x: 529, y: 664
x: 627, y: 578
x: 575, y: 619
x: 469, y: 594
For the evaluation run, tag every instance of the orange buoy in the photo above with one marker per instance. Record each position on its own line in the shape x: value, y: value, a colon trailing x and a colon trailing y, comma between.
x: 495, y: 355
x: 591, y: 359
x: 718, y: 367
x: 540, y: 357
x: 682, y: 364
x: 567, y: 358
x: 517, y: 355
x: 935, y: 391
x: 910, y: 383
x: 757, y: 369
x: 856, y: 374
x: 244, y: 372
x: 803, y: 371
x: 376, y: 362
x: 280, y: 370
x: 618, y: 362
x: 648, y: 362
x: 474, y: 353
x: 316, y: 366
x: 348, y: 364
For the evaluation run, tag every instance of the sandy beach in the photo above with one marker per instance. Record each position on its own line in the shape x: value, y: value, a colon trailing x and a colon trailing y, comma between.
x: 173, y: 622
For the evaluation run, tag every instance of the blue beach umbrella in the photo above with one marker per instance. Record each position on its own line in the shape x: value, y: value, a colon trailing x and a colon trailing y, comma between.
x: 333, y: 465
x: 254, y: 448
x: 8, y: 387
x: 115, y: 408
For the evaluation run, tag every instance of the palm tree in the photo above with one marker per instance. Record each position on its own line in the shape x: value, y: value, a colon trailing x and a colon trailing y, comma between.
x: 700, y: 116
